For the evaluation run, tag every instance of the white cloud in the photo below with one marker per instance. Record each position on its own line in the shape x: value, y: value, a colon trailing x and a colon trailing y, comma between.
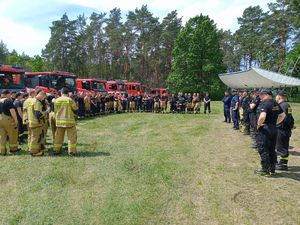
x: 25, y: 37
x: 22, y: 38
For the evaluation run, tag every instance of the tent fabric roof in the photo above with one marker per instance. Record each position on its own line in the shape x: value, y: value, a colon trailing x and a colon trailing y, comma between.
x: 258, y: 78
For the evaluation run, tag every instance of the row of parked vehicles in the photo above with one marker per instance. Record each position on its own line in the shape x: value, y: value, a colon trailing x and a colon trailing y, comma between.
x: 15, y: 78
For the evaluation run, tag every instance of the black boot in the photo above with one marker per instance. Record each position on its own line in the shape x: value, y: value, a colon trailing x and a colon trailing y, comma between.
x: 282, y: 165
x: 272, y: 169
x: 262, y: 172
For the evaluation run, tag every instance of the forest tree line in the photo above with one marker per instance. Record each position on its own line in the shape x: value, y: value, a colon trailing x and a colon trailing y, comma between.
x: 164, y: 52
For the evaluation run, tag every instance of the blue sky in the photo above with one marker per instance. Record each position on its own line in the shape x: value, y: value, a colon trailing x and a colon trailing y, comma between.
x: 24, y: 24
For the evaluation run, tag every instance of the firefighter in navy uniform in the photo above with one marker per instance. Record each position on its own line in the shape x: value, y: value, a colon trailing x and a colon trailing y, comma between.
x: 173, y: 101
x: 246, y: 119
x: 139, y: 102
x: 227, y: 101
x: 181, y: 103
x: 8, y: 125
x: 270, y: 116
x: 207, y: 101
x: 235, y: 109
x: 284, y: 132
x: 254, y: 112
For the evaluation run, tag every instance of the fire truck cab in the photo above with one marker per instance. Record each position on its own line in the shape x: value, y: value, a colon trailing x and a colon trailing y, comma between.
x: 91, y: 85
x: 12, y: 78
x: 116, y: 86
x: 158, y: 91
x: 133, y: 88
x: 48, y: 81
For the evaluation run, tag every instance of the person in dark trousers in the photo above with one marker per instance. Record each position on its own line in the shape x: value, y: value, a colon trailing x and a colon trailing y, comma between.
x: 173, y: 101
x: 181, y: 103
x: 18, y: 104
x: 255, y: 102
x: 139, y: 102
x: 270, y: 116
x: 246, y: 107
x: 227, y: 101
x: 234, y: 107
x: 284, y: 132
x: 207, y: 101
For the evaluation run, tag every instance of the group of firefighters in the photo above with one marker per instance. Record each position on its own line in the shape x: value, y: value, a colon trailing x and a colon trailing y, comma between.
x: 32, y: 113
x: 26, y: 117
x: 269, y: 122
x: 93, y: 104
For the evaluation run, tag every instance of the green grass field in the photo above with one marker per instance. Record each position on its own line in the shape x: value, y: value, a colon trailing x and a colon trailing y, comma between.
x: 151, y: 169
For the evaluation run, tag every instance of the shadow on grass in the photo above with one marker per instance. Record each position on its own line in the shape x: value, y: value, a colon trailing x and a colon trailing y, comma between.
x: 80, y: 154
x: 293, y: 173
x: 294, y: 153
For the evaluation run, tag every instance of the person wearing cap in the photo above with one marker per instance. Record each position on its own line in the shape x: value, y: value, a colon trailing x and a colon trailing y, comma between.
x: 8, y: 124
x: 227, y: 101
x: 284, y: 132
x: 270, y: 116
x: 234, y: 105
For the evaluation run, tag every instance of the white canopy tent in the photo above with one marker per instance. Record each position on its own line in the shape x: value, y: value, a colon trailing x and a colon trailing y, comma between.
x: 258, y: 78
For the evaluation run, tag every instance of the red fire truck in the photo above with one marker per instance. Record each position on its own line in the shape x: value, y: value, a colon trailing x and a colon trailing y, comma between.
x: 133, y: 88
x: 158, y: 91
x: 12, y: 78
x: 48, y: 81
x: 91, y: 85
x: 116, y: 86
x: 145, y: 90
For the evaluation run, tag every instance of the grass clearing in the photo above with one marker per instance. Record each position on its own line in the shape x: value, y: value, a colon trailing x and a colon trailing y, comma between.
x: 151, y: 169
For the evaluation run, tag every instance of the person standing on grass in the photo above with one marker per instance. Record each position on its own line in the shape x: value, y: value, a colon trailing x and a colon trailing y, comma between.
x: 234, y: 106
x: 270, y: 116
x: 207, y: 101
x: 8, y: 124
x: 64, y: 108
x: 18, y: 104
x: 226, y: 101
x: 35, y: 115
x: 284, y: 132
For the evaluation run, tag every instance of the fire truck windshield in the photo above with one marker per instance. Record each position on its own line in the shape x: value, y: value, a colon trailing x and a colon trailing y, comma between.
x: 122, y: 88
x: 60, y: 81
x: 11, y: 81
x: 113, y: 87
x: 98, y: 86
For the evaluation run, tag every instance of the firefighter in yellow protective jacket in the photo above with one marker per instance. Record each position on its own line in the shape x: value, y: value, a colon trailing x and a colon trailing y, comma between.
x: 28, y: 102
x: 35, y: 117
x: 64, y: 108
x: 8, y: 124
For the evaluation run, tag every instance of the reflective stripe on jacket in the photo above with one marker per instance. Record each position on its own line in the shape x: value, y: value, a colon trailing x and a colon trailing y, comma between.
x: 64, y: 108
x: 32, y: 107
